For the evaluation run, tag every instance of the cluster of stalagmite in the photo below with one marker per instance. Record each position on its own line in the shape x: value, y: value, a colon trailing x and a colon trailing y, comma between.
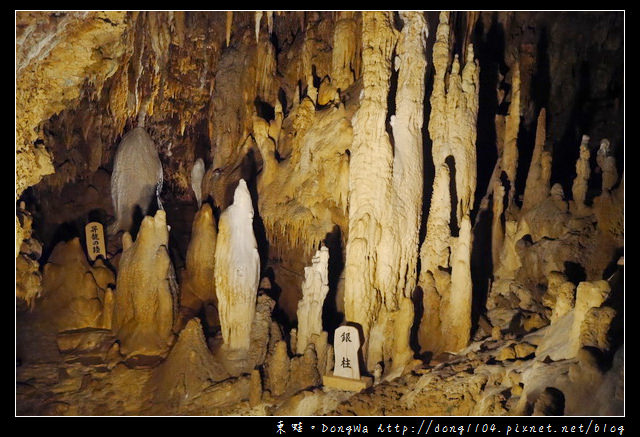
x: 146, y: 300
x: 385, y: 188
x: 445, y: 276
x: 550, y: 242
x: 238, y: 266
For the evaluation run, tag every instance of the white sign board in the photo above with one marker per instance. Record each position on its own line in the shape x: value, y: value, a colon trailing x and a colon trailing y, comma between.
x: 346, y: 344
x: 95, y: 240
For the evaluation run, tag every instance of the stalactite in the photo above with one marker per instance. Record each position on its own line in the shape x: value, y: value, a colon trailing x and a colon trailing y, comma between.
x: 344, y: 51
x: 445, y: 276
x: 258, y: 18
x: 137, y: 172
x: 237, y: 266
x: 228, y: 27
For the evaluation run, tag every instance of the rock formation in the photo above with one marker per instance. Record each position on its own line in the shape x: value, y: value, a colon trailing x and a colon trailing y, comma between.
x: 384, y: 214
x: 136, y: 178
x: 237, y: 267
x: 198, y: 280
x: 146, y: 292
x: 314, y: 290
x: 445, y: 276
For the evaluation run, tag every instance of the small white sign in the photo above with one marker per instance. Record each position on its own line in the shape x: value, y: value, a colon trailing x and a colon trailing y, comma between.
x: 346, y: 344
x: 95, y: 240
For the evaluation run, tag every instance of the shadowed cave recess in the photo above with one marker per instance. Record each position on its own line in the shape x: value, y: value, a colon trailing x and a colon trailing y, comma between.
x: 449, y: 183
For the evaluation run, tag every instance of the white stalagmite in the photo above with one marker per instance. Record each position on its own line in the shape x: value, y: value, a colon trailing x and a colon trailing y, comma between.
x: 314, y: 290
x: 385, y: 186
x: 136, y: 176
x: 452, y: 126
x: 237, y: 267
x: 197, y: 173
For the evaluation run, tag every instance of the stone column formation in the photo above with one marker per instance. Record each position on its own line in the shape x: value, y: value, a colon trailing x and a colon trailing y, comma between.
x: 145, y: 298
x: 385, y: 188
x: 445, y: 276
x: 237, y: 266
x: 314, y: 290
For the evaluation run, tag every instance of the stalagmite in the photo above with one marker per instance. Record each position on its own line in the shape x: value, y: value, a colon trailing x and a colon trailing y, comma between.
x: 136, y: 177
x: 74, y: 292
x: 198, y: 280
x: 237, y: 266
x: 607, y: 164
x: 384, y: 221
x: 314, y: 290
x: 537, y: 186
x: 146, y: 294
x: 445, y: 276
x: 497, y: 231
x: 583, y: 172
x: 370, y: 172
x: 197, y: 173
x: 511, y: 128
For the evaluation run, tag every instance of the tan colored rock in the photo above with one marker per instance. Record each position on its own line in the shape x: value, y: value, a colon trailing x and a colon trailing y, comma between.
x: 345, y: 48
x: 594, y: 331
x: 73, y: 290
x: 277, y: 370
x: 146, y: 294
x: 304, y: 372
x: 583, y: 172
x: 560, y: 295
x: 523, y: 350
x: 237, y: 267
x: 198, y: 280
x: 255, y: 395
x: 188, y: 370
x: 537, y: 185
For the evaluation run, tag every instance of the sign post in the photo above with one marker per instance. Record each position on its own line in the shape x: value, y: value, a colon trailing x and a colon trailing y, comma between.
x: 346, y: 370
x: 95, y: 240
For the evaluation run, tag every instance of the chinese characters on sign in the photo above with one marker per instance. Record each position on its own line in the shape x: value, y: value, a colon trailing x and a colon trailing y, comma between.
x: 346, y: 344
x: 95, y: 240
